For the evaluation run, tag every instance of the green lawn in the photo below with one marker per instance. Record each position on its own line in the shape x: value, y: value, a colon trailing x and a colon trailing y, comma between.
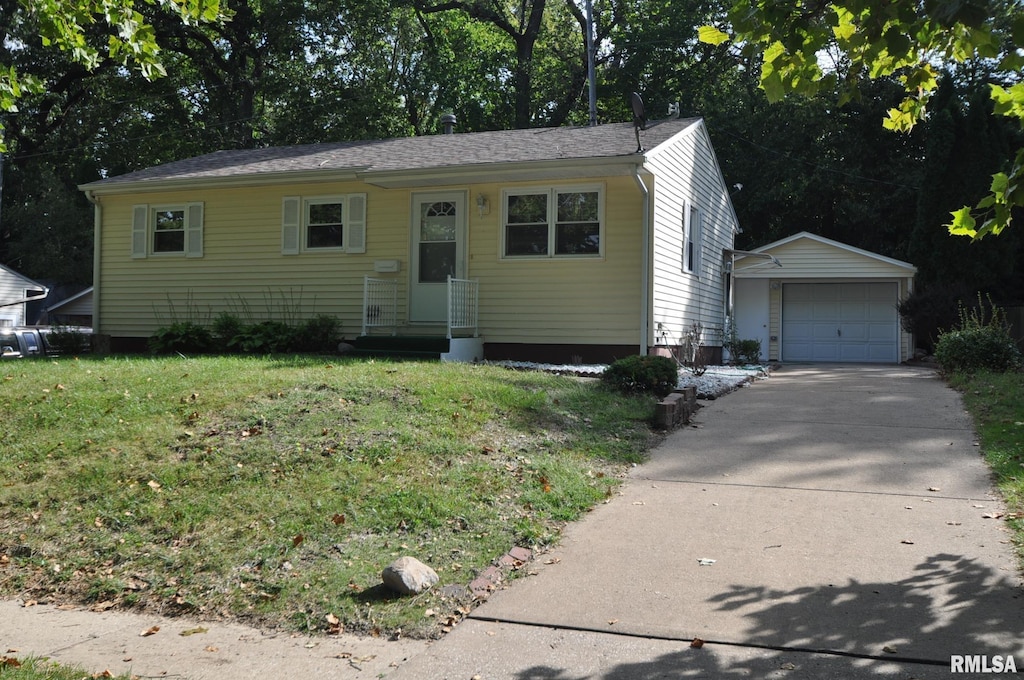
x: 276, y: 489
x: 996, y: 402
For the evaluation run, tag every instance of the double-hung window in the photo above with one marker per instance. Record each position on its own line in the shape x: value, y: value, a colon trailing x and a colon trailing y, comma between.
x: 323, y: 223
x: 692, y: 225
x: 552, y: 222
x: 167, y: 230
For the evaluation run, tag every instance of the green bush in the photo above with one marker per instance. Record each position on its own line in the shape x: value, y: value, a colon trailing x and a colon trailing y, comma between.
x: 185, y: 337
x: 318, y: 334
x: 634, y: 374
x: 927, y: 311
x: 228, y: 331
x: 746, y: 351
x: 267, y: 337
x: 62, y: 340
x: 982, y: 342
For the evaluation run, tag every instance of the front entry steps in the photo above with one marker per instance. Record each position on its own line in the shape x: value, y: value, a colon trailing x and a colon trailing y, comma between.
x: 437, y: 348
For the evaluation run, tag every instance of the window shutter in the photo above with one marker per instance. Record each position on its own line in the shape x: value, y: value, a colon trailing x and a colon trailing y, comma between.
x: 140, y: 243
x: 194, y: 230
x: 290, y: 225
x: 355, y: 225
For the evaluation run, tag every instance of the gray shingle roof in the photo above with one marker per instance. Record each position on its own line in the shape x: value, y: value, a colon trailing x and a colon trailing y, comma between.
x: 413, y: 154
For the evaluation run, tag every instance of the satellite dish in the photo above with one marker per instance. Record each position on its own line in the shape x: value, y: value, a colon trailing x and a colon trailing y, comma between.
x: 639, y: 117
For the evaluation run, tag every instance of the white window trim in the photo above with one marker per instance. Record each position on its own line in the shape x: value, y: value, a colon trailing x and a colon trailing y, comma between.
x: 552, y: 193
x: 143, y: 238
x: 295, y: 223
x: 692, y: 233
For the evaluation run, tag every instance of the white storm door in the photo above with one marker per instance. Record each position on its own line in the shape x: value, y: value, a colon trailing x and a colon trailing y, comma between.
x: 438, y: 251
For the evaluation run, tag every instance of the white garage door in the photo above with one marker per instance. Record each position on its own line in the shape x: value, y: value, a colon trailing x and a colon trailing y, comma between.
x: 840, y: 322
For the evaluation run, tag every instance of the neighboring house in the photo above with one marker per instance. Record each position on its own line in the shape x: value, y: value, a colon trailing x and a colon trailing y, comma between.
x: 16, y: 292
x: 565, y: 244
x: 829, y: 302
x: 74, y: 310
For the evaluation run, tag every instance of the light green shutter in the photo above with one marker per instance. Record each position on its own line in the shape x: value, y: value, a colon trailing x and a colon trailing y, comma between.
x: 355, y: 224
x: 194, y: 230
x: 140, y: 217
x: 290, y: 225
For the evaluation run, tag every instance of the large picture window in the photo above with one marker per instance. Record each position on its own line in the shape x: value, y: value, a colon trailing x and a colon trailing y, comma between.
x: 555, y: 222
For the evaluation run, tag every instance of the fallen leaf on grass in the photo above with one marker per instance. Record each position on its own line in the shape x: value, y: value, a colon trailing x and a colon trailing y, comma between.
x: 150, y: 631
x: 9, y: 662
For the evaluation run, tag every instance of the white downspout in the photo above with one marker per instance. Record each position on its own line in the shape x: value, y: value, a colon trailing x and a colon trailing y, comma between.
x: 645, y: 264
x: 97, y: 222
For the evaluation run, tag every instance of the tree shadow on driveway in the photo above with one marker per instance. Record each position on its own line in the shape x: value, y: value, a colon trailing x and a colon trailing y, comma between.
x: 950, y: 605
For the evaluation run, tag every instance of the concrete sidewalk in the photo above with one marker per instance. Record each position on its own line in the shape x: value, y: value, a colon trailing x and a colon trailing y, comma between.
x: 839, y: 516
x: 843, y: 508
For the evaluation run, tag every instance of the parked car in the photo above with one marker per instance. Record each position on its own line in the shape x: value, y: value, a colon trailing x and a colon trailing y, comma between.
x: 34, y: 341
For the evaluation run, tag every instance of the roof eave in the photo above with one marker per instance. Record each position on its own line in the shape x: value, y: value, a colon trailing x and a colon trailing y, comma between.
x: 564, y: 168
x: 105, y: 187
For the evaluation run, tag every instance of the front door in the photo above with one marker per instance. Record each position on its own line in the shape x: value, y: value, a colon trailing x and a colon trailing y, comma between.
x: 438, y: 250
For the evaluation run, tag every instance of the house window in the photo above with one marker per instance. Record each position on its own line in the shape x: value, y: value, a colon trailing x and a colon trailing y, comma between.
x: 323, y: 223
x: 167, y: 230
x: 556, y: 222
x: 692, y: 224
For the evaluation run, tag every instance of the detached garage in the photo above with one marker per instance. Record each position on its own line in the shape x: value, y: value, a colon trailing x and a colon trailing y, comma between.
x: 828, y: 302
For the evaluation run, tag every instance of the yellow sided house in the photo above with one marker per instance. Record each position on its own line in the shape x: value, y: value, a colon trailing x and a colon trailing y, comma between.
x: 569, y: 244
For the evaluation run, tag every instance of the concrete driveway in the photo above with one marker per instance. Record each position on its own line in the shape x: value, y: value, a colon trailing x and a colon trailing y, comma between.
x: 827, y: 523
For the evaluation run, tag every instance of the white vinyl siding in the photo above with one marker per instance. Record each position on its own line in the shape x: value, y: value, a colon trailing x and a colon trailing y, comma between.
x: 692, y: 224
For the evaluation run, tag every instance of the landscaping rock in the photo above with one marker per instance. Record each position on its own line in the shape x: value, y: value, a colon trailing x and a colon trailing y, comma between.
x: 408, y: 576
x: 345, y: 348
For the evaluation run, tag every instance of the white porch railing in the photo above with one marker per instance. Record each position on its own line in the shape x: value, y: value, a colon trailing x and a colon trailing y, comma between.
x: 463, y: 306
x: 380, y: 304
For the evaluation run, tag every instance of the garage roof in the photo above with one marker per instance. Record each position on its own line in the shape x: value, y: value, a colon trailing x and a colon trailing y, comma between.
x: 807, y: 255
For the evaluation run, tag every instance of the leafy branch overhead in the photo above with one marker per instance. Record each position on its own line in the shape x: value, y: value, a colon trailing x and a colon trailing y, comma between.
x: 903, y: 39
x: 68, y: 25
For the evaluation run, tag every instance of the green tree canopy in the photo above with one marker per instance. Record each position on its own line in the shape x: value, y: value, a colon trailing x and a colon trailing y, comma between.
x: 906, y: 39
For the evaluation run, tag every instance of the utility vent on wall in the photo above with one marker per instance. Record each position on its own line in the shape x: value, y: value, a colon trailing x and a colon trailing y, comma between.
x: 386, y: 266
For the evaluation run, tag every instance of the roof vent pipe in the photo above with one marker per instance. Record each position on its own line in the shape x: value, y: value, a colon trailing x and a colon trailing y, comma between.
x: 448, y: 123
